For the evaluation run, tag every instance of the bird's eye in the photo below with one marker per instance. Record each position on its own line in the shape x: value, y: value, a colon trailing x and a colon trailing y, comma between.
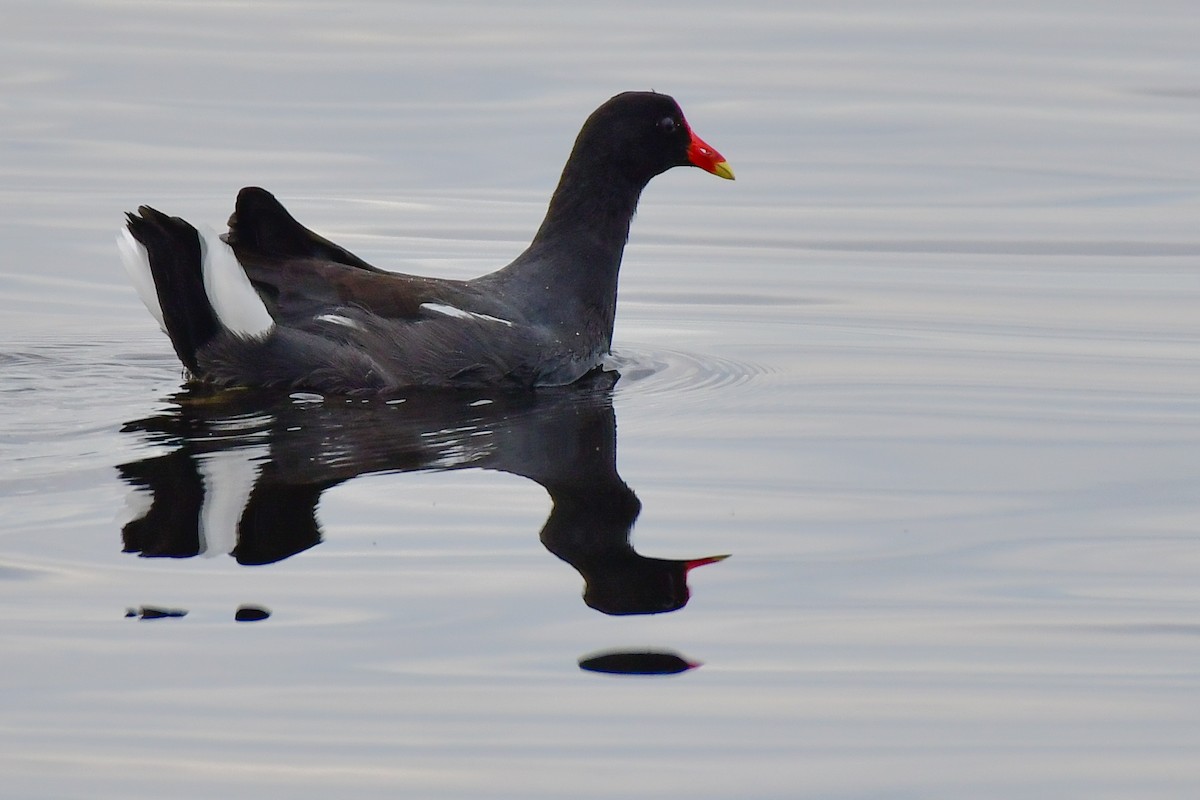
x: 667, y: 124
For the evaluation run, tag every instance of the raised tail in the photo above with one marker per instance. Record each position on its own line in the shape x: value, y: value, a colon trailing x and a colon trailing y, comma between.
x: 190, y: 282
x: 261, y: 225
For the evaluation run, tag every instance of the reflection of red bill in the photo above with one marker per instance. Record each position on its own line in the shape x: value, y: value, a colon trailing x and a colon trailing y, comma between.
x: 700, y: 562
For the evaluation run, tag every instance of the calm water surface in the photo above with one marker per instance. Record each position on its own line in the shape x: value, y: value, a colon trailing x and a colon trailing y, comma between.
x: 929, y: 372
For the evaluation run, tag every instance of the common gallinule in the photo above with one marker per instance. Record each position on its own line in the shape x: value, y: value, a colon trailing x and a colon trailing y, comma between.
x: 271, y: 303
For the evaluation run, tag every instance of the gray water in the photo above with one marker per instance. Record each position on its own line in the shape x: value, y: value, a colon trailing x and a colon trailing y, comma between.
x: 929, y: 371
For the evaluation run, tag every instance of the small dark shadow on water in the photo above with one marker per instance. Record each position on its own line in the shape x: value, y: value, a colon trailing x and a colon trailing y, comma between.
x: 251, y: 614
x: 637, y: 662
x: 155, y: 612
x: 244, y: 471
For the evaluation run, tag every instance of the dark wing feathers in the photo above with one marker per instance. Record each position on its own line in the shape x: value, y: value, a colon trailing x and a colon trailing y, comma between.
x: 296, y: 288
x: 299, y: 273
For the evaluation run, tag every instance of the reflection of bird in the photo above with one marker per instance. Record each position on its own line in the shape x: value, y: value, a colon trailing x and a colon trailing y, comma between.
x: 581, y: 531
x: 246, y: 471
x: 275, y: 304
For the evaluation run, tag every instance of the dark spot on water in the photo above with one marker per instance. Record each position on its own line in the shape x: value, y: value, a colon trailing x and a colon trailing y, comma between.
x: 251, y: 614
x: 637, y: 662
x: 154, y: 612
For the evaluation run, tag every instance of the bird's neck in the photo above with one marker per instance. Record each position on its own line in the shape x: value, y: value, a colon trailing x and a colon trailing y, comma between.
x: 568, y: 274
x: 594, y: 198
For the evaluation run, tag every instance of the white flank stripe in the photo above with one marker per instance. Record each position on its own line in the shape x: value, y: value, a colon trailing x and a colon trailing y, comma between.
x: 458, y: 313
x: 229, y: 477
x: 338, y: 319
x: 137, y: 264
x: 230, y: 293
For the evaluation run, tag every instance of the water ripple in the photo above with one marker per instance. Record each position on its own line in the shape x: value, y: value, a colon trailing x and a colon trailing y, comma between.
x: 677, y: 374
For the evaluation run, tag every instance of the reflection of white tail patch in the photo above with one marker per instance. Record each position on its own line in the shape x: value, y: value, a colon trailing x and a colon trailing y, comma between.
x: 138, y: 503
x: 229, y: 291
x: 229, y: 477
x: 458, y: 313
x: 137, y: 264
